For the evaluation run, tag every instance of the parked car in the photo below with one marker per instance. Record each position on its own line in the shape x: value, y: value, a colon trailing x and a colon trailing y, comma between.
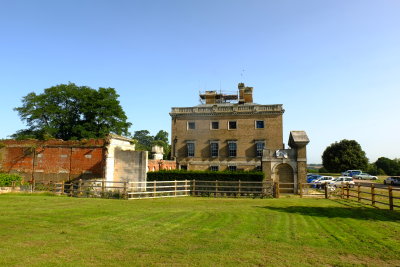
x: 350, y: 173
x: 342, y: 179
x: 365, y: 176
x: 311, y: 178
x: 323, y: 180
x: 393, y: 180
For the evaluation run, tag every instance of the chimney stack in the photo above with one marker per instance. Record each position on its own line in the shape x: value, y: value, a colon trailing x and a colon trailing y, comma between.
x: 211, y: 97
x: 245, y: 94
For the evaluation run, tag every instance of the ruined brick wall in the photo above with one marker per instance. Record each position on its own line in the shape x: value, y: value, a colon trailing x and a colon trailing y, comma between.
x: 156, y: 165
x: 53, y: 160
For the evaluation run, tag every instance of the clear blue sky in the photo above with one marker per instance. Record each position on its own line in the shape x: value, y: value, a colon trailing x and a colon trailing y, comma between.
x: 334, y: 64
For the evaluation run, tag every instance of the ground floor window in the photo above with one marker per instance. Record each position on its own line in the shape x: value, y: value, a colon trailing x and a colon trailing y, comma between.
x: 232, y: 168
x: 214, y: 168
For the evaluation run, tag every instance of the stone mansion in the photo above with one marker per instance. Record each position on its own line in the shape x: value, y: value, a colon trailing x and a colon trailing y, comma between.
x: 230, y: 132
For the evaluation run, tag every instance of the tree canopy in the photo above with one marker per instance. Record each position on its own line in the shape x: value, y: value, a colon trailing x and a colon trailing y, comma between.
x: 145, y: 141
x: 69, y: 112
x: 388, y: 166
x: 344, y: 155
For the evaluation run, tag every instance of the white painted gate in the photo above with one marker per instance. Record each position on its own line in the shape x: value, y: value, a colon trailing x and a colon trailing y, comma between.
x: 158, y: 189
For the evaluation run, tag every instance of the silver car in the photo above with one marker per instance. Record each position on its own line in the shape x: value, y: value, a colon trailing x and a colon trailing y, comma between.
x: 338, y: 182
x: 365, y: 176
x: 393, y: 180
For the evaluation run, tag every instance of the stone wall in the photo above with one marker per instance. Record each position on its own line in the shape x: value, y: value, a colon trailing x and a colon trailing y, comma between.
x: 246, y: 134
x: 130, y: 166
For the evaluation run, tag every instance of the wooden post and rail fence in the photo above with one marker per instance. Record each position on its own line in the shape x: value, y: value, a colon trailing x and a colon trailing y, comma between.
x: 371, y: 194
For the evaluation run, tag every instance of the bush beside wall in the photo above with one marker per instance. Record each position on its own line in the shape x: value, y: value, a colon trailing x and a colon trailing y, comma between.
x: 180, y: 175
x: 6, y: 179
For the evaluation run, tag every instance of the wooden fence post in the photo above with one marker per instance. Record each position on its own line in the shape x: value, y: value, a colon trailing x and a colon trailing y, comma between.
x: 300, y: 190
x: 12, y: 185
x: 125, y: 192
x: 326, y: 190
x: 390, y: 188
x: 186, y: 187
x: 71, y: 189
x: 216, y: 188
x: 194, y: 188
x: 348, y: 191
x: 80, y: 188
x: 240, y: 188
x: 175, y: 188
x: 373, y: 194
x: 103, y: 187
x: 358, y: 192
x: 154, y: 188
x: 62, y: 188
x: 276, y: 190
x: 342, y: 189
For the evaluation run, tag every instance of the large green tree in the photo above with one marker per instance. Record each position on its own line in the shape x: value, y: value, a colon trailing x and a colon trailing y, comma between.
x: 69, y: 112
x: 344, y: 155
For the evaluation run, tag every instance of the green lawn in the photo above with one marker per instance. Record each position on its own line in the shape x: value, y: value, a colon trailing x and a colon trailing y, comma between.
x: 60, y: 231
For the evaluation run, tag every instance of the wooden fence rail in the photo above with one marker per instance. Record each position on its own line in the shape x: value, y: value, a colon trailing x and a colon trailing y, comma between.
x: 232, y: 188
x: 372, y: 195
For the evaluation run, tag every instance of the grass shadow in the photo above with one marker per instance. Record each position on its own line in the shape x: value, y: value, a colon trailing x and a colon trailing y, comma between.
x: 348, y: 210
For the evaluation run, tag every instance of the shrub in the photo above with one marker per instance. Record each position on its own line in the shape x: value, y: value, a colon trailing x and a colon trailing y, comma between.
x: 322, y: 170
x: 6, y: 179
x: 180, y: 175
x: 312, y: 170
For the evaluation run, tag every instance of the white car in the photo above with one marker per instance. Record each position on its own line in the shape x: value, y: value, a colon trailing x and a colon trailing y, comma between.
x: 323, y: 180
x: 342, y: 180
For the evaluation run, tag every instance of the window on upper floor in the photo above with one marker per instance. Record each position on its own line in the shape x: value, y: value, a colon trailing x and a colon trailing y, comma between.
x: 191, y: 125
x: 232, y: 125
x: 232, y: 148
x: 259, y: 124
x: 214, y: 148
x: 190, y: 149
x: 214, y: 125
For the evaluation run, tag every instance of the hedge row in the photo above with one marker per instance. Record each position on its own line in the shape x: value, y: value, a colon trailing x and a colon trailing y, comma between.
x: 180, y: 175
x: 6, y: 179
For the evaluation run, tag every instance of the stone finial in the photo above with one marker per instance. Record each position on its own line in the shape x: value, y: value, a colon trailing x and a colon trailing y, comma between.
x: 158, y: 152
x: 298, y: 139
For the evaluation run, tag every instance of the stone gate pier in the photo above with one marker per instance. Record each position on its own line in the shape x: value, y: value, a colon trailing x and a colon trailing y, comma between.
x: 287, y: 166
